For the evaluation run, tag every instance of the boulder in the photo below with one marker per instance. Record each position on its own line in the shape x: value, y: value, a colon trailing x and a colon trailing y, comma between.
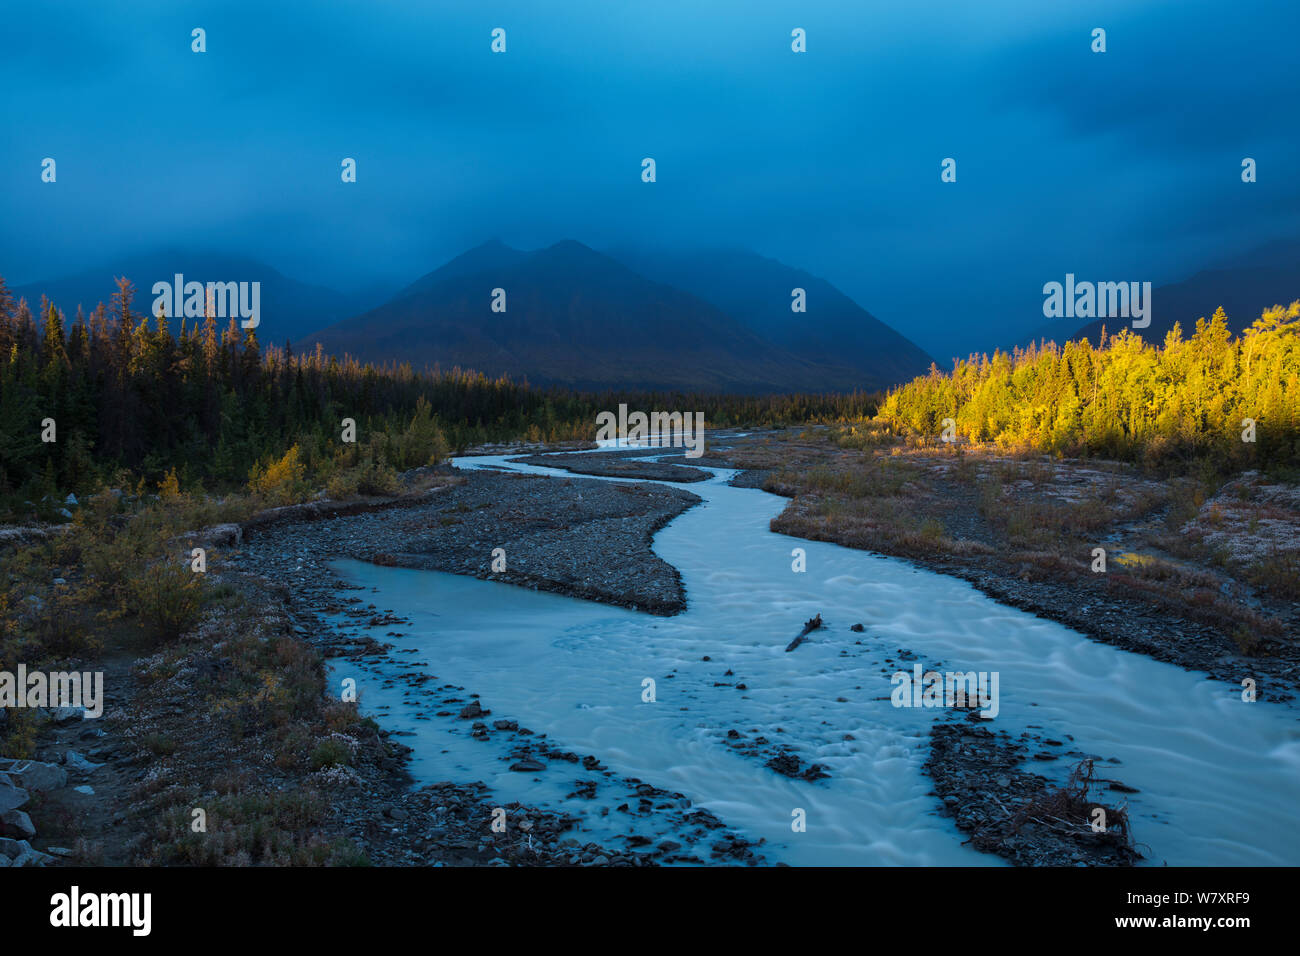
x: 11, y: 797
x: 29, y: 856
x: 223, y: 534
x: 15, y: 823
x: 37, y: 776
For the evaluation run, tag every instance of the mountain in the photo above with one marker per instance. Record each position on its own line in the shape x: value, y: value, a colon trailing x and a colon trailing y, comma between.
x: 577, y: 318
x: 289, y: 309
x: 1244, y: 285
x: 835, y: 332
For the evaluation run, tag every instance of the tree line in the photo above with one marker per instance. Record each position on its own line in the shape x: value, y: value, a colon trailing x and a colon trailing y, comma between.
x: 1232, y: 400
x: 210, y: 406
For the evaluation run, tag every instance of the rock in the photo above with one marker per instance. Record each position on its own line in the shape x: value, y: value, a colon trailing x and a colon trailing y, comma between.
x: 71, y: 500
x: 397, y: 813
x: 67, y: 514
x: 30, y: 857
x: 15, y: 823
x: 785, y: 763
x: 65, y: 715
x: 528, y: 765
x: 11, y: 797
x: 858, y: 628
x: 601, y: 860
x: 223, y: 534
x: 85, y: 789
x: 505, y: 725
x: 471, y: 710
x: 77, y: 762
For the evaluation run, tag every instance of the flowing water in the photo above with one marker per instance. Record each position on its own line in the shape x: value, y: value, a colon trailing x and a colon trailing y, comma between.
x: 1217, y: 777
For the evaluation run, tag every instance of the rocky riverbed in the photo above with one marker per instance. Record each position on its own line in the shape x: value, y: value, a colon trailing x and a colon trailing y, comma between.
x: 584, y: 538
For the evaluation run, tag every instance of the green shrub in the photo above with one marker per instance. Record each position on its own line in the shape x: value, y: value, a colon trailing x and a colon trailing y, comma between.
x: 330, y: 753
x: 167, y: 597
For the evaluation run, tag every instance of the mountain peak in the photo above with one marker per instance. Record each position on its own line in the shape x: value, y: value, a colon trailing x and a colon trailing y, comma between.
x: 568, y: 250
x: 581, y: 318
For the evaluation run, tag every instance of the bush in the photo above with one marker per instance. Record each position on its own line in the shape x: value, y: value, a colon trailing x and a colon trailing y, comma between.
x: 330, y: 752
x: 280, y: 482
x: 368, y: 478
x: 160, y: 745
x: 168, y: 598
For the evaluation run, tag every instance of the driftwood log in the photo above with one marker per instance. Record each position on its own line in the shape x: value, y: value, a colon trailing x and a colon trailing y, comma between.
x: 813, y: 625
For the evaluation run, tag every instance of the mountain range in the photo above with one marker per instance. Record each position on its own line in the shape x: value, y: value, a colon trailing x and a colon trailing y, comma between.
x: 580, y: 318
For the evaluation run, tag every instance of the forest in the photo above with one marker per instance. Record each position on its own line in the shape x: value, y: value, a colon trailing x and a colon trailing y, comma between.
x: 1230, y: 402
x: 134, y: 398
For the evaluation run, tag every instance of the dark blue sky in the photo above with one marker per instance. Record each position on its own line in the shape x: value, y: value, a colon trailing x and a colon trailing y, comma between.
x: 1115, y: 166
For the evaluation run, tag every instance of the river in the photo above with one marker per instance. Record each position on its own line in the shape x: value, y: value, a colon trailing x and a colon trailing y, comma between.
x: 1217, y: 777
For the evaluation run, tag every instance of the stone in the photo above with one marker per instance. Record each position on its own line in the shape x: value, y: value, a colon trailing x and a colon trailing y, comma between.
x: 65, y: 715
x: 30, y: 856
x: 472, y: 710
x: 77, y: 762
x: 528, y: 765
x: 11, y: 797
x: 15, y: 823
x: 223, y: 534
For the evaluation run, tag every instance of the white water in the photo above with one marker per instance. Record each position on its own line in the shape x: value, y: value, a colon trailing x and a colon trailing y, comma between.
x: 1217, y: 777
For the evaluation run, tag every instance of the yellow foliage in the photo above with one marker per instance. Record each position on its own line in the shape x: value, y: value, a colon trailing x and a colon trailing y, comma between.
x: 170, y: 486
x: 281, y: 481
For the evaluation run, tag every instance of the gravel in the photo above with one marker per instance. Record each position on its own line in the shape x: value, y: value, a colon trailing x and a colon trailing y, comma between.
x: 580, y: 537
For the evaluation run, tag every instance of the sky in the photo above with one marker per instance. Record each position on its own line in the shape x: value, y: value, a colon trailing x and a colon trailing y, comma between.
x: 1115, y: 166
